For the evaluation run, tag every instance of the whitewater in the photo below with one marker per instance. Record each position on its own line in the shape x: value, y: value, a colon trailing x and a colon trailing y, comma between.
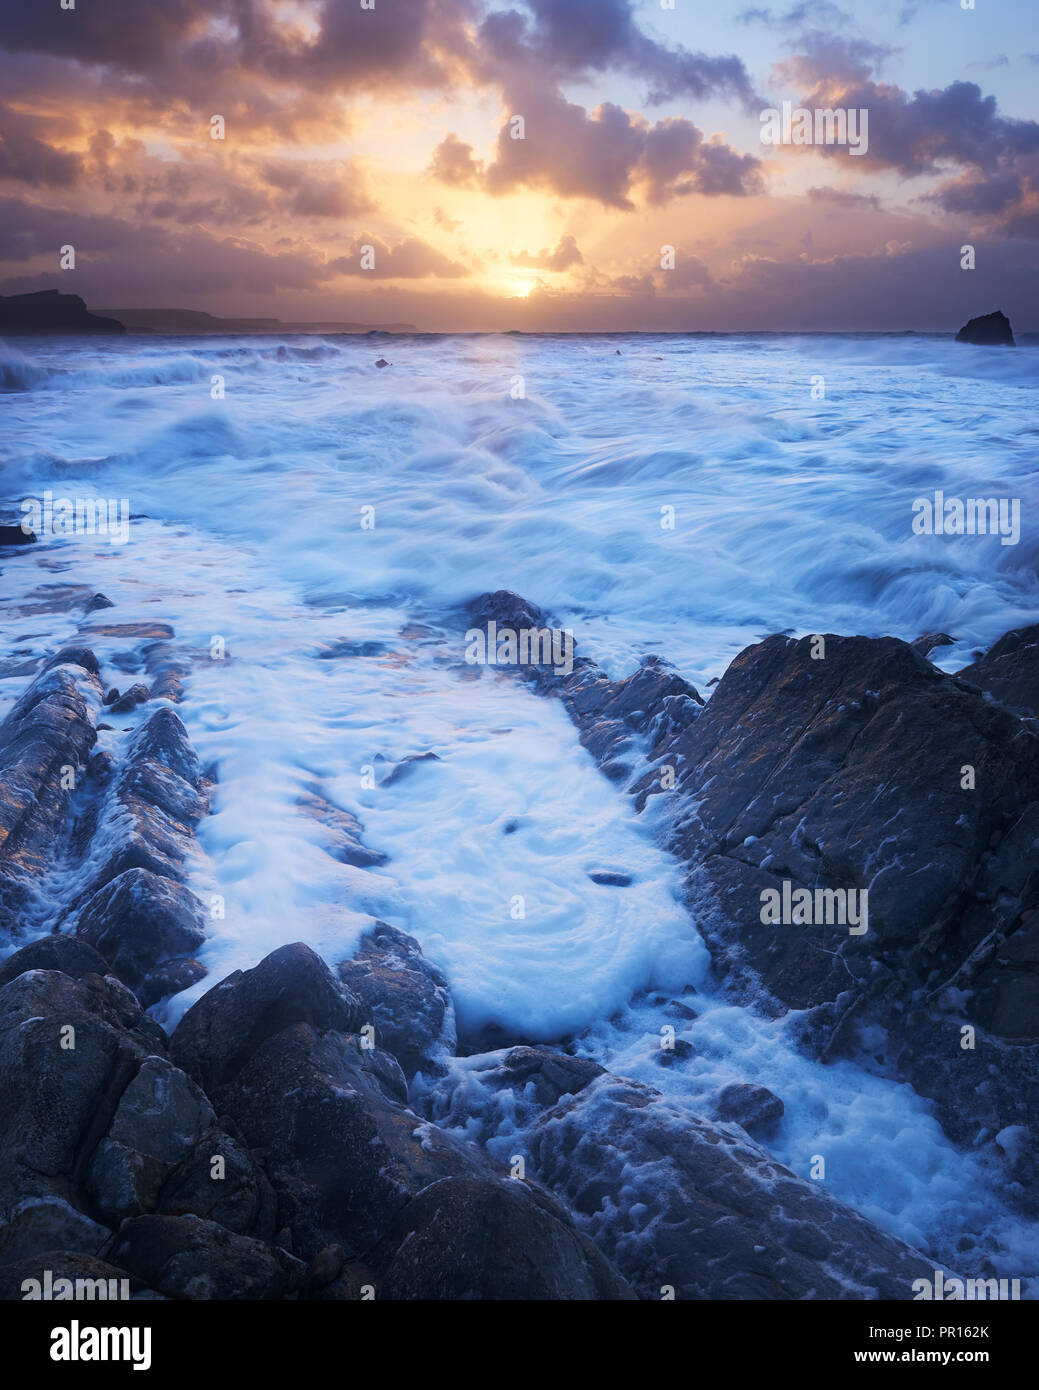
x: 326, y: 520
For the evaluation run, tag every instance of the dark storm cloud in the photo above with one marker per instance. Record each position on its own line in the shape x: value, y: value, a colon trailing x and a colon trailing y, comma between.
x: 28, y: 159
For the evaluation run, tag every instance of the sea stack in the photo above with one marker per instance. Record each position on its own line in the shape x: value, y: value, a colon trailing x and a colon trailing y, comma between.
x: 989, y: 330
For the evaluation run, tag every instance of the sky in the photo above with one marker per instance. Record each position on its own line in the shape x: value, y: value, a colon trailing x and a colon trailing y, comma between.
x: 542, y: 165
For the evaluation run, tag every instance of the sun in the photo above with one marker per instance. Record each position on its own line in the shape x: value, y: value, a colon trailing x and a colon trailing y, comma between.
x: 522, y: 289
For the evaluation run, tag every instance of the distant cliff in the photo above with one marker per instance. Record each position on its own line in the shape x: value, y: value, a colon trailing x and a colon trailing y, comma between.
x: 49, y: 311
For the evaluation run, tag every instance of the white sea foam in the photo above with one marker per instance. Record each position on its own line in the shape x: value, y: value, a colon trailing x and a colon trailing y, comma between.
x: 789, y: 513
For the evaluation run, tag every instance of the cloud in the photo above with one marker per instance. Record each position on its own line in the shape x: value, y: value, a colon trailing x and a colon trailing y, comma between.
x: 601, y: 155
x: 453, y: 163
x: 566, y: 254
x: 327, y: 188
x: 409, y: 259
x: 27, y: 159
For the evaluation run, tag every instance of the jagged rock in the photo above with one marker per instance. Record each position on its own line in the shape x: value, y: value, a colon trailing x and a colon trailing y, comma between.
x: 139, y: 920
x: 987, y: 330
x: 90, y: 1279
x: 929, y: 640
x: 720, y: 1218
x: 542, y: 1074
x: 407, y: 765
x: 345, y: 843
x: 160, y: 1117
x: 58, y: 1101
x: 507, y: 609
x: 403, y: 995
x: 98, y: 602
x: 186, y: 1257
x: 128, y: 702
x: 235, y: 1193
x: 54, y: 952
x: 152, y: 806
x: 753, y: 1107
x: 343, y: 1155
x: 491, y: 1238
x: 169, y: 978
x: 48, y: 732
x: 222, y: 1031
x: 1009, y: 671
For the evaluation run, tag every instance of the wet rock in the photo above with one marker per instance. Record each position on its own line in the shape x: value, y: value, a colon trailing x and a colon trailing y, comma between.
x: 160, y: 1117
x: 341, y: 1153
x: 89, y: 1279
x: 186, y: 1257
x: 402, y: 995
x: 543, y: 1074
x: 143, y: 632
x: 151, y: 808
x: 753, y: 1107
x: 111, y: 696
x: 46, y: 736
x: 930, y: 640
x: 382, y: 362
x: 128, y: 702
x: 988, y: 330
x: 1009, y: 671
x: 610, y: 878
x: 507, y: 609
x: 54, y: 952
x: 139, y: 920
x: 345, y: 832
x: 484, y: 1238
x: 222, y: 1031
x: 721, y: 1219
x: 75, y: 656
x: 14, y: 535
x: 169, y: 978
x: 406, y: 766
x: 222, y: 1182
x: 99, y: 601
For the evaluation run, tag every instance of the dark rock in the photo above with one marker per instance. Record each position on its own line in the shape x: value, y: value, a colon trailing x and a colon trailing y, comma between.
x: 101, y: 766
x: 149, y: 811
x: 111, y: 696
x: 753, y: 1107
x: 930, y: 640
x: 222, y: 1031
x: 1009, y: 671
x: 544, y: 1074
x: 402, y: 995
x: 722, y: 1219
x: 407, y: 766
x: 142, y: 632
x: 242, y: 1199
x: 485, y: 1238
x: 382, y: 362
x: 138, y: 920
x: 507, y: 610
x: 83, y: 1272
x: 49, y: 730
x: 14, y: 535
x: 343, y: 1155
x: 186, y: 1257
x: 54, y: 952
x: 167, y: 685
x: 127, y: 703
x: 610, y: 878
x: 988, y: 330
x: 345, y: 842
x: 48, y: 311
x: 75, y: 656
x: 99, y: 601
x: 679, y: 1051
x: 169, y: 978
x: 160, y: 1118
